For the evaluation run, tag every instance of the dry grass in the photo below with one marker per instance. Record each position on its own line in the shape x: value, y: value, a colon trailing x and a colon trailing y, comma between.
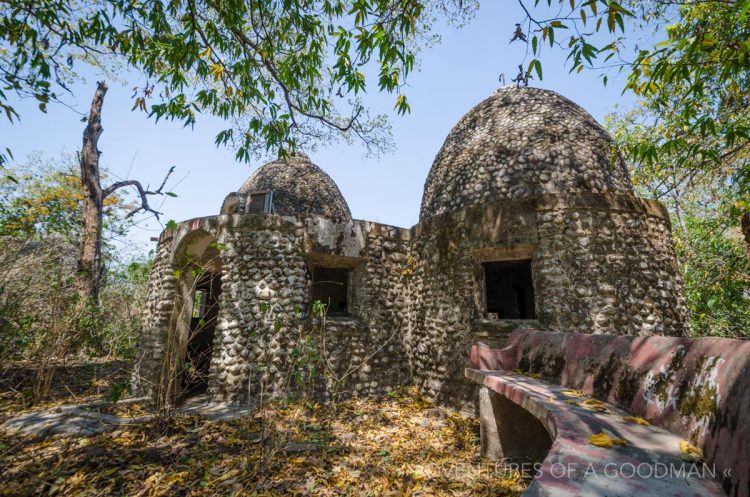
x: 75, y: 381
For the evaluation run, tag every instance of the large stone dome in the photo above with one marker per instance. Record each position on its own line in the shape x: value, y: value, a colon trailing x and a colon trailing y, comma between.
x: 521, y: 142
x: 299, y: 188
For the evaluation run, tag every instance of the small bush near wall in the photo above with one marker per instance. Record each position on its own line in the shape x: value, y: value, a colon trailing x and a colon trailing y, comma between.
x: 121, y: 302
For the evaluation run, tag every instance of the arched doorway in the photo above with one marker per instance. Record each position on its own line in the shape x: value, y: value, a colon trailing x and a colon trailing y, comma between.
x: 197, y: 266
x: 202, y: 329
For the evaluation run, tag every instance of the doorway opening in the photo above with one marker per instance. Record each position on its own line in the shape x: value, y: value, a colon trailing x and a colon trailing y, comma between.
x: 190, y: 343
x: 202, y: 329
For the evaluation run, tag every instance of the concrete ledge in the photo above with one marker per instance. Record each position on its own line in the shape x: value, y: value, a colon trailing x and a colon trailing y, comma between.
x: 650, y: 464
x: 602, y: 201
x: 698, y: 388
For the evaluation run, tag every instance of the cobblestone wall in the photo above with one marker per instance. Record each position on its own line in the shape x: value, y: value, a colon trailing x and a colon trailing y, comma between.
x: 601, y: 263
x: 378, y: 257
x: 156, y: 315
x: 261, y: 337
x: 263, y: 294
x: 606, y: 264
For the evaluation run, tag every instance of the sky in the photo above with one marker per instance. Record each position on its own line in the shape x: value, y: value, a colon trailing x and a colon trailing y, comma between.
x: 452, y: 77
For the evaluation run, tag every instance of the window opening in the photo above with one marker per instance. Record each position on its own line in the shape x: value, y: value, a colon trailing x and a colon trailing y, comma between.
x: 509, y: 289
x: 260, y: 202
x: 331, y: 286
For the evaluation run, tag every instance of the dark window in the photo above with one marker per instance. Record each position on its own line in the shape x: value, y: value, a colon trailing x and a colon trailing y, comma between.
x: 331, y: 286
x: 509, y: 290
x: 260, y: 202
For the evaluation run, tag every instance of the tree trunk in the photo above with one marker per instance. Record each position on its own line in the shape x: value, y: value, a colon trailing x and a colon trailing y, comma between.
x: 89, y: 261
x: 745, y: 225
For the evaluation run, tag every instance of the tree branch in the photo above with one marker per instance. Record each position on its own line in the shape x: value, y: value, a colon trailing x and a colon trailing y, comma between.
x: 143, y: 193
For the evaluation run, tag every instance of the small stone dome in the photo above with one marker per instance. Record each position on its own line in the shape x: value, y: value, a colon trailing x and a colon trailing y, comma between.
x: 299, y: 188
x: 521, y: 142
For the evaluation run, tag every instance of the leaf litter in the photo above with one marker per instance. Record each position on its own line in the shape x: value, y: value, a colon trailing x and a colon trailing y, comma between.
x: 391, y: 446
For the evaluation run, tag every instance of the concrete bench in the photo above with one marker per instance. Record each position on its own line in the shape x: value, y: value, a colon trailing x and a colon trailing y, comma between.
x: 692, y: 390
x: 649, y: 464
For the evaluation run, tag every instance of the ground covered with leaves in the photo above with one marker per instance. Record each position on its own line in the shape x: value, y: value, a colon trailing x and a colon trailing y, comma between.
x: 396, y: 445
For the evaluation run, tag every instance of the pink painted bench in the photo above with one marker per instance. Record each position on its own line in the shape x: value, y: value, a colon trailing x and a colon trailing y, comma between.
x: 693, y: 390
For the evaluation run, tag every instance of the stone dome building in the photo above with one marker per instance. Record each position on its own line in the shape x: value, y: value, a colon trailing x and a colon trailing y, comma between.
x: 300, y: 188
x: 528, y: 220
x: 522, y: 142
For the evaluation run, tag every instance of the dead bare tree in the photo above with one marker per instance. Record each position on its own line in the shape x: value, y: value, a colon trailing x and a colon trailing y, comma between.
x: 88, y: 277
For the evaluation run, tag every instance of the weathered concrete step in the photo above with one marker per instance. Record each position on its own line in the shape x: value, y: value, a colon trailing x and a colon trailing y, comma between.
x: 83, y: 419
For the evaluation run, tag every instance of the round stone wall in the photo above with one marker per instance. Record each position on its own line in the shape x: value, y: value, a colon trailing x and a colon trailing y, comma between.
x: 601, y: 264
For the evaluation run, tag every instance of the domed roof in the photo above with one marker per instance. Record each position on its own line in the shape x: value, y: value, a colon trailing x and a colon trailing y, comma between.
x: 521, y: 142
x: 299, y: 188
